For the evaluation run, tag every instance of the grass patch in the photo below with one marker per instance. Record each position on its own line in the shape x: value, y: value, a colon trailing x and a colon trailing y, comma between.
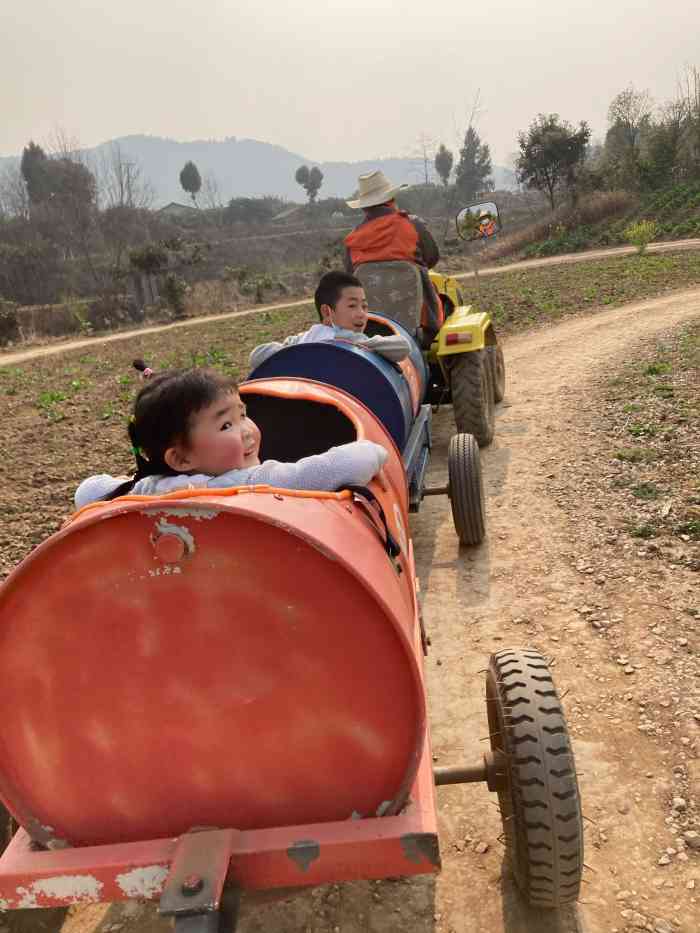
x: 520, y: 298
x: 643, y: 531
x: 642, y: 430
x: 633, y: 455
x: 646, y: 491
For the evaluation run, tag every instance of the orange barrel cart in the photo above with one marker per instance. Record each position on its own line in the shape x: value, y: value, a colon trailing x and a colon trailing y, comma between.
x: 217, y: 691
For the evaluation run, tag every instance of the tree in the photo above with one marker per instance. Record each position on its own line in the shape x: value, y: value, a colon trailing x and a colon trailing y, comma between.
x: 689, y: 95
x: 630, y: 111
x: 191, y: 180
x: 423, y: 155
x: 34, y: 168
x: 474, y: 166
x: 310, y: 180
x: 14, y: 197
x: 121, y: 182
x: 444, y: 160
x: 211, y: 193
x: 660, y: 163
x: 551, y: 152
x: 630, y: 121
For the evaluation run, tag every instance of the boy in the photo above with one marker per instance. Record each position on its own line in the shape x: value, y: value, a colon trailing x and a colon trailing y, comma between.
x: 342, y: 308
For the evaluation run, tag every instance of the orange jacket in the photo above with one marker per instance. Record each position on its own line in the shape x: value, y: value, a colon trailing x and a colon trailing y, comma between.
x: 389, y: 234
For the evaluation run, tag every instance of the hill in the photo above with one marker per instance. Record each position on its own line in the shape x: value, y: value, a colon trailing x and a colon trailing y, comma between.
x: 247, y: 167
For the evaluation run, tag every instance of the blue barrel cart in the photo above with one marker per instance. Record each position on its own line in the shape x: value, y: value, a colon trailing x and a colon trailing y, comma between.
x: 396, y: 394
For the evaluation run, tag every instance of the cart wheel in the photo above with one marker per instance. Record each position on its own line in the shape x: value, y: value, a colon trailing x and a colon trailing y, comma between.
x: 473, y: 403
x: 538, y: 796
x: 466, y: 489
x: 497, y: 366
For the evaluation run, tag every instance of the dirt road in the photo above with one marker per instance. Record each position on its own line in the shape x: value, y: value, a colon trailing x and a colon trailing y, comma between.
x: 521, y: 588
x: 16, y: 357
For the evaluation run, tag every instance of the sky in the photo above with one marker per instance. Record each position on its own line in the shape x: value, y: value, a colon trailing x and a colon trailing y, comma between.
x: 330, y: 79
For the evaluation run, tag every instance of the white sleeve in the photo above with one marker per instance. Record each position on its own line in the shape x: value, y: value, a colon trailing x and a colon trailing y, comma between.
x: 315, y: 334
x: 95, y: 488
x: 350, y: 464
x: 394, y: 347
x: 263, y: 352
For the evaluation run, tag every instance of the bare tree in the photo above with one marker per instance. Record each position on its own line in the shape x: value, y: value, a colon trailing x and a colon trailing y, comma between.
x: 689, y: 97
x: 211, y: 193
x: 121, y: 182
x: 14, y: 197
x: 424, y: 156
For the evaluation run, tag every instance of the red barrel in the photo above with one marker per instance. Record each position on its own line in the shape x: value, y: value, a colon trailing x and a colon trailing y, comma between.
x: 245, y: 659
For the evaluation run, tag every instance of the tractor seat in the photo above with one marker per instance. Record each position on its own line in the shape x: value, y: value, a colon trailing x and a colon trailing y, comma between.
x: 394, y: 289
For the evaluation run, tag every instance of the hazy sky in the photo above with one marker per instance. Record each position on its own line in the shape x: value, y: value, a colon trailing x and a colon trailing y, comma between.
x: 329, y: 79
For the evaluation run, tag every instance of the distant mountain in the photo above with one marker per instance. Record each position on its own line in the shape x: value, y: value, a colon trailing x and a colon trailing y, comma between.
x: 246, y: 167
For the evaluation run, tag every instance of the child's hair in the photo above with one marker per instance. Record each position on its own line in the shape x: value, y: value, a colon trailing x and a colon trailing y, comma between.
x: 162, y: 415
x: 331, y: 286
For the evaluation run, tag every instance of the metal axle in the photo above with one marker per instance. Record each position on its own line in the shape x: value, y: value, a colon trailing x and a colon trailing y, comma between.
x: 460, y: 775
x: 492, y: 770
x: 436, y: 491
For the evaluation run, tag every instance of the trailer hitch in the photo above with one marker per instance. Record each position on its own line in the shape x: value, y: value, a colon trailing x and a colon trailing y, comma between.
x: 195, y: 891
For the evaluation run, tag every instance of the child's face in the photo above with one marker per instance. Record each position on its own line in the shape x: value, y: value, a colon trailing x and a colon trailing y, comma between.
x: 222, y: 437
x: 350, y: 312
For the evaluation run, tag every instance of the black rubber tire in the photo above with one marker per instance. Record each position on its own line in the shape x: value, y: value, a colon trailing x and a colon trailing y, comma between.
x: 466, y: 489
x: 498, y: 372
x: 540, y: 806
x: 472, y: 395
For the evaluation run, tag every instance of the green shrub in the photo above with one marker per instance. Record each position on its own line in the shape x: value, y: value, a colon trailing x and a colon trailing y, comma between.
x: 174, y: 290
x: 150, y: 258
x: 641, y: 234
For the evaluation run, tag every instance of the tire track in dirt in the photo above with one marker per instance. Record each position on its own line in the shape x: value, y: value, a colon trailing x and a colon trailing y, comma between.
x: 519, y: 588
x: 524, y: 572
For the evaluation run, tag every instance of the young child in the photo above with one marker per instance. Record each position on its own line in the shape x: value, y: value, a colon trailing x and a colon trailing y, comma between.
x: 342, y: 308
x: 190, y: 429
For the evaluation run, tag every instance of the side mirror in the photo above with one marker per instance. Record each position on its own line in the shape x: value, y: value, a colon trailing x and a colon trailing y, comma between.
x: 478, y: 221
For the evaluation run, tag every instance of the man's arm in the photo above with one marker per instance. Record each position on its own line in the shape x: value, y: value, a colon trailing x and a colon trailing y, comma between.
x: 426, y: 242
x: 347, y: 261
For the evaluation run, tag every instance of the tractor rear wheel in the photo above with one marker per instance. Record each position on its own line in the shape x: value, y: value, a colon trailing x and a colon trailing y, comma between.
x: 466, y: 489
x: 473, y: 402
x: 539, y: 796
x: 498, y: 371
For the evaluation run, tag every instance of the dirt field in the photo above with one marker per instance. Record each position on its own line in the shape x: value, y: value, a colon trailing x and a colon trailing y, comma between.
x: 556, y: 573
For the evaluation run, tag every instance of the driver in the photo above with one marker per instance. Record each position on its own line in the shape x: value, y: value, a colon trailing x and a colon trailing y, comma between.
x: 388, y: 234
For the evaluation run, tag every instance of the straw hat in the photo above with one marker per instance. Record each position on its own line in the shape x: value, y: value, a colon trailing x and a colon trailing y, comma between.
x: 374, y: 188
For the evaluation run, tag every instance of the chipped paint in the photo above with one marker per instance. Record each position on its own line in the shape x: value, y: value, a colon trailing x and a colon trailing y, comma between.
x: 145, y: 882
x: 196, y: 514
x: 67, y: 889
x: 383, y: 807
x: 418, y: 847
x: 43, y: 835
x: 164, y: 527
x: 304, y: 852
x: 163, y: 571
